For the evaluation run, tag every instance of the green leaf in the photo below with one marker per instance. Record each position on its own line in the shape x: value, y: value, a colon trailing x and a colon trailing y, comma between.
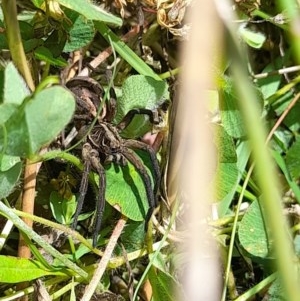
x: 276, y: 291
x: 91, y: 11
x: 133, y: 238
x: 13, y: 79
x: 8, y: 162
x: 270, y: 84
x: 225, y: 146
x: 44, y: 54
x: 252, y: 232
x: 227, y: 167
x: 125, y: 52
x: 15, y: 270
x: 292, y: 183
x: 9, y: 178
x: 6, y: 111
x: 3, y: 39
x: 10, y: 96
x: 293, y: 160
x: 230, y: 114
x: 38, y: 121
x: 32, y: 44
x: 81, y: 33
x: 243, y: 153
x: 125, y: 190
x: 37, y: 3
x: 291, y: 120
x: 140, y: 92
x: 162, y: 286
x: 159, y: 261
x: 252, y: 38
x: 61, y: 208
x: 162, y: 283
x: 229, y: 172
x: 55, y: 43
x: 26, y: 30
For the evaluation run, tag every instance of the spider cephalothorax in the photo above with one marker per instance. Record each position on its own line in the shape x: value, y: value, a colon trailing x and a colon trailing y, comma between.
x: 103, y: 144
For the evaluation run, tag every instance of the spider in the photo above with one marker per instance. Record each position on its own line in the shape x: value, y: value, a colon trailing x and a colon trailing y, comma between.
x: 104, y: 145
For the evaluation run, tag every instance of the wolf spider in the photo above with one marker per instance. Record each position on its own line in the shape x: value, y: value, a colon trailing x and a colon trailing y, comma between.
x: 104, y: 145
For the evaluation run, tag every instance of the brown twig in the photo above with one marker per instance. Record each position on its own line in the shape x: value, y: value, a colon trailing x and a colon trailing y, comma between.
x: 28, y: 203
x: 107, y: 52
x: 28, y: 207
x: 283, y: 115
x: 90, y: 289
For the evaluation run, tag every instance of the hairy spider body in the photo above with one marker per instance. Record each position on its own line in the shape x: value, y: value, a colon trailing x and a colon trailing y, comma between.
x: 104, y: 145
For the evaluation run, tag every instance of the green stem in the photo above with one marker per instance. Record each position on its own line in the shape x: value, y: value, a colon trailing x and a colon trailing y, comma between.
x: 285, y: 89
x: 233, y: 234
x: 124, y: 51
x: 170, y: 73
x: 8, y: 213
x: 257, y: 288
x: 290, y: 8
x: 161, y: 244
x: 266, y: 176
x: 9, y: 9
x: 62, y: 228
x: 263, y: 15
x: 270, y: 199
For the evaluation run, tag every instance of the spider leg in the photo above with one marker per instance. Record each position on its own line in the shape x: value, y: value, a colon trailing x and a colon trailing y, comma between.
x: 91, y: 159
x: 139, y: 166
x: 135, y: 144
x: 111, y: 105
x: 101, y: 195
x: 153, y: 115
x: 84, y: 182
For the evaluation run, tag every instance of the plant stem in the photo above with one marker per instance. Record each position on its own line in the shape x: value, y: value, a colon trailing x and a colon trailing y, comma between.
x: 7, y: 212
x: 14, y: 39
x: 9, y: 9
x: 268, y: 182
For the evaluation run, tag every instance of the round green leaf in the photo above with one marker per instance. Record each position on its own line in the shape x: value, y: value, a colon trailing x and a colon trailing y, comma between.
x: 38, y: 121
x: 140, y: 92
